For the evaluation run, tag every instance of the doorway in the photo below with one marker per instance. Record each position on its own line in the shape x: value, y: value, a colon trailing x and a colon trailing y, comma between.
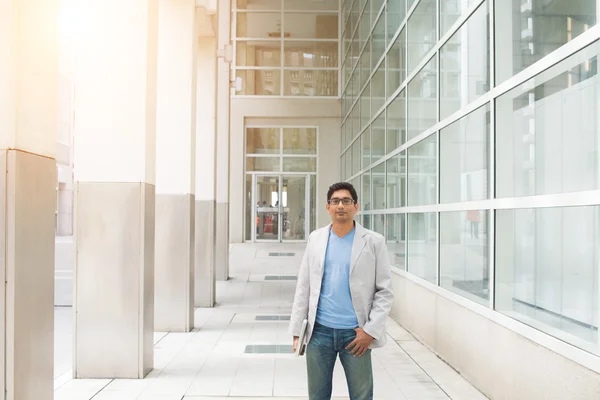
x: 281, y: 211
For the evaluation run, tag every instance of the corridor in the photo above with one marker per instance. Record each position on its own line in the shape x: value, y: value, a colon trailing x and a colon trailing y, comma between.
x: 241, y: 349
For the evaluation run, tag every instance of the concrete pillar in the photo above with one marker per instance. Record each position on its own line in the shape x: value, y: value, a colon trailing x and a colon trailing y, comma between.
x: 205, y: 173
x: 175, y: 167
x: 115, y: 152
x: 28, y: 123
x: 222, y: 163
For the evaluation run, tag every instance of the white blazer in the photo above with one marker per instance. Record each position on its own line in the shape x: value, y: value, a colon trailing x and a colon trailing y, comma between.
x: 370, y: 283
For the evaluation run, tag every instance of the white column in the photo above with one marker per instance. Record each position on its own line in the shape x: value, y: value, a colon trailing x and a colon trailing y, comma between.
x: 205, y: 173
x: 175, y: 169
x: 115, y: 140
x: 28, y: 123
x: 222, y: 162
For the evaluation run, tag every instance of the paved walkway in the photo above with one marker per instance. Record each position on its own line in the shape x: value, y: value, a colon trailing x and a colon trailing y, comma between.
x: 213, y: 362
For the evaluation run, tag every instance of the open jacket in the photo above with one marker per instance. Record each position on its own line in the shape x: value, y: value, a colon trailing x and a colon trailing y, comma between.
x: 370, y: 283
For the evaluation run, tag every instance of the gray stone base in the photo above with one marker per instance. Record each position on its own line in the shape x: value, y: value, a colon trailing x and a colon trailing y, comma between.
x: 27, y: 224
x: 222, y: 242
x: 114, y: 273
x: 205, y: 244
x: 174, y: 264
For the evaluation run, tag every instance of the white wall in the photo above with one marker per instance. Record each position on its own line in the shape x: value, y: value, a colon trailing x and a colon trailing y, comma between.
x: 323, y: 113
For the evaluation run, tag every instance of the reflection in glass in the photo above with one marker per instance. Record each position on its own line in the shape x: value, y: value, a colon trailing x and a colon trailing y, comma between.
x: 464, y: 254
x: 535, y: 28
x: 259, y: 5
x: 310, y: 54
x: 464, y: 148
x: 366, y: 148
x: 422, y: 172
x: 366, y: 198
x: 422, y: 245
x: 396, y: 181
x: 464, y: 64
x: 396, y: 64
x: 378, y: 180
x: 365, y: 107
x: 260, y: 83
x: 310, y: 26
x: 258, y: 54
x: 396, y: 11
x: 396, y: 123
x: 249, y: 205
x: 378, y: 138
x: 267, y: 207
x: 450, y: 12
x: 547, y: 270
x: 378, y: 41
x: 299, y: 164
x: 378, y: 89
x: 549, y: 130
x: 422, y: 32
x: 303, y: 5
x: 293, y: 208
x: 396, y: 239
x: 299, y: 141
x: 422, y: 100
x: 263, y: 164
x: 258, y: 25
x: 262, y: 141
x: 310, y: 82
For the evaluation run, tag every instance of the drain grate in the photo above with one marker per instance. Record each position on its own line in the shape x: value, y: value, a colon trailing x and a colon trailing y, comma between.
x: 280, y: 278
x: 272, y: 318
x: 276, y: 254
x: 269, y: 349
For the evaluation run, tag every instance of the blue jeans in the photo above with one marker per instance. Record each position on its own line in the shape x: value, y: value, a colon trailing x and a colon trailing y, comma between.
x: 321, y: 354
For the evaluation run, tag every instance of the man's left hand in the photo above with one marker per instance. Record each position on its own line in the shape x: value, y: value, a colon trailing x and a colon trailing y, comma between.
x: 361, y: 343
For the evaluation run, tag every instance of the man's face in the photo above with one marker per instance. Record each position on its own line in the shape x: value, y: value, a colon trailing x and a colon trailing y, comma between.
x: 341, y: 212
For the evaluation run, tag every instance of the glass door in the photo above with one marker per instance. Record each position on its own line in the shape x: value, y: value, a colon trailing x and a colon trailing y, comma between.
x: 281, y: 211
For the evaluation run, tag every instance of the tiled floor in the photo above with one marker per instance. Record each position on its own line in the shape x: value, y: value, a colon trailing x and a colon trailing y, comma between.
x: 210, y: 363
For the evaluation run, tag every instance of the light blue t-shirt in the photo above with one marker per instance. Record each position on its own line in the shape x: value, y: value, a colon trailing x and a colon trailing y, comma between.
x: 335, y: 308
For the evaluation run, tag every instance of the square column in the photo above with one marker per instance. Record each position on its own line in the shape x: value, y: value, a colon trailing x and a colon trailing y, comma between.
x: 205, y: 286
x: 175, y: 166
x: 114, y: 152
x: 28, y: 129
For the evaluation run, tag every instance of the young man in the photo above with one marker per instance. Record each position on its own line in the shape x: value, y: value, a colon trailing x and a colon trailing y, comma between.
x: 344, y: 291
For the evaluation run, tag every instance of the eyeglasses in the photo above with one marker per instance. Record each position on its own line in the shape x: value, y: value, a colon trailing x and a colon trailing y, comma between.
x: 345, y: 201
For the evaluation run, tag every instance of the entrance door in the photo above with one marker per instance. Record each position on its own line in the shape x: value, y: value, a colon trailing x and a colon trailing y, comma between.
x: 281, y: 211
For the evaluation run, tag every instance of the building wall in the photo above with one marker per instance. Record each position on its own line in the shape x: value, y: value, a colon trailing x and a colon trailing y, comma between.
x: 323, y: 113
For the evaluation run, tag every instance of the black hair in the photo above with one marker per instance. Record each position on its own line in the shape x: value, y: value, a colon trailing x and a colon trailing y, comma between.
x: 342, y: 186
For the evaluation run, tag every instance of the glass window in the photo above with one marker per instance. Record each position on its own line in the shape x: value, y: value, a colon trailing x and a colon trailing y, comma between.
x: 343, y: 174
x: 396, y: 239
x: 396, y: 68
x: 310, y: 54
x: 378, y: 138
x: 375, y: 8
x: 366, y: 197
x: 365, y: 65
x: 464, y: 64
x: 356, y: 157
x: 396, y: 123
x: 378, y: 89
x: 464, y: 254
x: 263, y: 164
x: 396, y: 11
x: 422, y: 246
x: 535, y: 28
x: 259, y: 5
x: 547, y: 270
x: 258, y: 25
x: 310, y: 26
x: 262, y: 141
x: 378, y: 179
x: 248, y: 223
x: 422, y: 172
x: 308, y: 82
x: 299, y: 141
x: 299, y: 164
x: 464, y: 148
x: 451, y: 10
x: 258, y: 54
x: 422, y: 100
x: 260, y: 82
x: 396, y: 181
x: 313, y: 203
x: 366, y: 148
x: 378, y: 41
x: 303, y: 5
x: 547, y: 130
x: 365, y: 106
x: 422, y: 32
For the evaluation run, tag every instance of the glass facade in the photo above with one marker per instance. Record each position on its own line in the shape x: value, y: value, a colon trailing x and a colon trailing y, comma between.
x: 470, y: 130
x: 287, y: 47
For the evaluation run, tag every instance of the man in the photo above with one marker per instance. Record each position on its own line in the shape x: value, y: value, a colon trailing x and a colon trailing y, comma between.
x: 344, y: 291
